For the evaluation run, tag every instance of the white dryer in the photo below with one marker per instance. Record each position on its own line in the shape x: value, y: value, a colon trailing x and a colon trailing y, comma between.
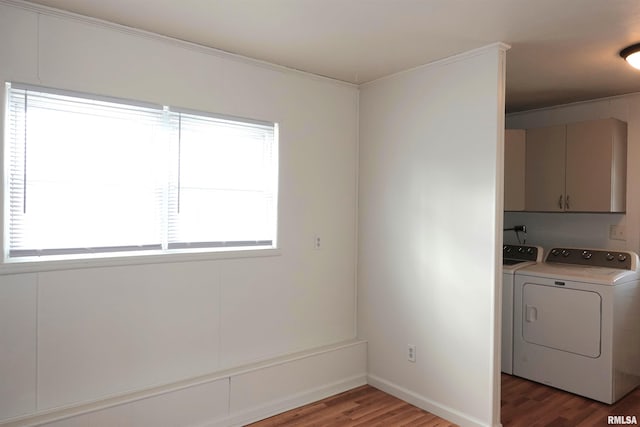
x: 577, y: 322
x: 514, y: 257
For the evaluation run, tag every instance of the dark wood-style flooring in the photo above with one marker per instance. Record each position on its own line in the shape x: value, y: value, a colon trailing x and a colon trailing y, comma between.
x: 363, y: 407
x: 524, y: 404
x: 529, y: 404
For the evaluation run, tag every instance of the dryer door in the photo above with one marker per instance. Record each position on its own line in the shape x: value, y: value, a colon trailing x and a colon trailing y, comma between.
x: 563, y: 319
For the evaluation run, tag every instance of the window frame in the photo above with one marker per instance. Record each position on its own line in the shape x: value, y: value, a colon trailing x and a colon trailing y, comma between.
x: 187, y: 252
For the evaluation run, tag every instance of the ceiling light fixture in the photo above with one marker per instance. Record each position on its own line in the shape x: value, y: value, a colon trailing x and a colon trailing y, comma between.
x: 631, y: 54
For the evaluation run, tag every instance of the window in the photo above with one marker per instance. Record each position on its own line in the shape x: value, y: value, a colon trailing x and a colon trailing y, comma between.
x: 89, y: 175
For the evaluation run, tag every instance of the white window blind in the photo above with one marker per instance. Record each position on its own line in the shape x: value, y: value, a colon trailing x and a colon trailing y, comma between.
x: 225, y: 195
x: 93, y: 175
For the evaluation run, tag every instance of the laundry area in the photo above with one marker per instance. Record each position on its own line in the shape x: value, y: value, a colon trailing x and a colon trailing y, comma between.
x: 571, y: 277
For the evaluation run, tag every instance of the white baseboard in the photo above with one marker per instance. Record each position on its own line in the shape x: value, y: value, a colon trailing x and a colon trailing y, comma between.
x: 243, y: 395
x: 289, y: 402
x: 223, y: 399
x: 422, y: 402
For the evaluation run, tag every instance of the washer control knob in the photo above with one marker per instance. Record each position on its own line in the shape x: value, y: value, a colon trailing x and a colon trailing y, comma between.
x: 530, y: 251
x: 565, y: 253
x: 506, y: 248
x: 609, y: 256
x: 586, y: 254
x: 520, y: 249
x: 622, y: 257
x: 555, y: 252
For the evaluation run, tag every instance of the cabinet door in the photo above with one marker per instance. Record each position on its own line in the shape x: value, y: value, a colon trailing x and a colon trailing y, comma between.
x: 514, y: 164
x: 593, y: 159
x: 545, y: 169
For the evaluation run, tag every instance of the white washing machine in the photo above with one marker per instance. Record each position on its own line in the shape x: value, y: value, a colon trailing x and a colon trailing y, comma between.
x: 514, y: 257
x: 577, y: 322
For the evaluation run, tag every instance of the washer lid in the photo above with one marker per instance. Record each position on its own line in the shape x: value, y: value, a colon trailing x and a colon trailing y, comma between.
x: 511, y: 268
x: 579, y: 273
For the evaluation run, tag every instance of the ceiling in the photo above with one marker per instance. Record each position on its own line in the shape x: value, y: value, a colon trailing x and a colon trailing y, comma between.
x: 561, y: 51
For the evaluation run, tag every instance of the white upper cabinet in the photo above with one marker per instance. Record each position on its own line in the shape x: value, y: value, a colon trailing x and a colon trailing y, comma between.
x: 596, y: 166
x: 579, y: 167
x: 514, y: 167
x: 545, y: 169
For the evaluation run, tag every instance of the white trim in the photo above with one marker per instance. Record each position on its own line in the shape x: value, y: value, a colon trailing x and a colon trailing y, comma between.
x: 571, y: 104
x: 356, y: 250
x: 290, y: 402
x: 444, y: 61
x: 238, y: 418
x: 116, y: 259
x: 496, y: 300
x: 50, y: 11
x: 422, y: 402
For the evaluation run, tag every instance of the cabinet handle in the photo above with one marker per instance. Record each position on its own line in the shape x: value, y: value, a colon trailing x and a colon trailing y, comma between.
x: 566, y: 203
x: 560, y: 202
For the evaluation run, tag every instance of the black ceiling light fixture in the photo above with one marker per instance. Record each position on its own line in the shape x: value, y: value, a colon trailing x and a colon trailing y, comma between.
x: 631, y: 54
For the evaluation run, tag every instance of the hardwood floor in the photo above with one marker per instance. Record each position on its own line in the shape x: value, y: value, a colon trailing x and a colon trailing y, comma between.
x: 524, y: 404
x: 363, y: 407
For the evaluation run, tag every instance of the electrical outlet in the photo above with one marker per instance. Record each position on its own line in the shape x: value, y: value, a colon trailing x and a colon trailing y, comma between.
x: 617, y: 232
x: 411, y: 353
x: 317, y: 244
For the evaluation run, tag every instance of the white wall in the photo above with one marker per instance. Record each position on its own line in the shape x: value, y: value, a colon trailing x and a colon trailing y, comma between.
x: 77, y: 335
x: 431, y: 147
x: 585, y: 230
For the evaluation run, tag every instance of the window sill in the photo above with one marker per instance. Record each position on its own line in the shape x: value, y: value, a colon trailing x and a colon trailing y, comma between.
x: 36, y: 265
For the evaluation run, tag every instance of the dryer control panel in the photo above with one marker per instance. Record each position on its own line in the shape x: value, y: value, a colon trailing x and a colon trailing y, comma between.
x: 592, y: 257
x: 514, y: 254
